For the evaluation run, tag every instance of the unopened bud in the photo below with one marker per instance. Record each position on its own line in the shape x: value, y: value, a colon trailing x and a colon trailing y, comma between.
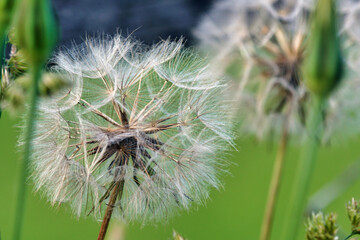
x: 36, y: 30
x: 323, y: 65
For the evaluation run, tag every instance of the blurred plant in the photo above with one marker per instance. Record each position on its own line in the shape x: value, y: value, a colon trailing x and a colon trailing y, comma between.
x: 323, y: 71
x: 6, y: 15
x: 15, y: 93
x: 36, y: 32
x: 17, y: 79
x: 259, y: 45
x: 321, y: 228
x: 138, y: 132
x: 262, y: 43
x: 325, y: 228
x: 17, y: 64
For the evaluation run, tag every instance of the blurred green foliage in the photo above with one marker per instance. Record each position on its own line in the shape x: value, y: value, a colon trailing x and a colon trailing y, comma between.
x: 232, y: 213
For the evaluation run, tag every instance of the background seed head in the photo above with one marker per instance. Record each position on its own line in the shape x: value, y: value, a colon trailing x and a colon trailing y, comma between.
x: 151, y: 118
x: 259, y: 46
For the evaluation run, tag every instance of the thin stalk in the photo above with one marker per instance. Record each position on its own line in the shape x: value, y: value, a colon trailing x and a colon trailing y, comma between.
x: 274, y: 185
x: 22, y: 187
x: 352, y: 234
x: 117, y: 191
x: 304, y: 173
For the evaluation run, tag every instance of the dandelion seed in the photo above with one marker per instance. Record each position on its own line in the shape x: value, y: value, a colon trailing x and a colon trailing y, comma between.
x: 262, y: 43
x: 144, y: 122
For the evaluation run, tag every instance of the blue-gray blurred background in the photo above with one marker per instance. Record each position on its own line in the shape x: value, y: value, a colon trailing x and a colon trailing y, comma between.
x: 147, y: 20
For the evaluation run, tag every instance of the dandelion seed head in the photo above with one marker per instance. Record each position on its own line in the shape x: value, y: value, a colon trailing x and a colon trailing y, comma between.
x: 259, y: 46
x: 148, y: 118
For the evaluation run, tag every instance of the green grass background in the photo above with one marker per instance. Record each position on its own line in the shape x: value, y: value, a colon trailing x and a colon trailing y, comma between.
x: 232, y: 213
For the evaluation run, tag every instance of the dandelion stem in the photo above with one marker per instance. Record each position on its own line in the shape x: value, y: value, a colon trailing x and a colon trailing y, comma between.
x: 22, y: 187
x: 305, y: 172
x: 117, y: 191
x: 274, y: 185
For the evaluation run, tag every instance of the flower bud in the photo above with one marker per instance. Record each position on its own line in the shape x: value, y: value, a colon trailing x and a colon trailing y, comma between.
x: 17, y: 63
x: 36, y: 30
x: 353, y: 211
x: 323, y: 65
x: 321, y: 228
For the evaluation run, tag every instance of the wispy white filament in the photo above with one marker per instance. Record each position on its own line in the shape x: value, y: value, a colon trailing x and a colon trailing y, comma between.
x: 151, y: 117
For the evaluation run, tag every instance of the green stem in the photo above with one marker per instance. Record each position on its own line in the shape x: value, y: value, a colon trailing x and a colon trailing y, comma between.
x: 304, y: 174
x: 22, y: 187
x: 274, y: 185
x: 352, y: 234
